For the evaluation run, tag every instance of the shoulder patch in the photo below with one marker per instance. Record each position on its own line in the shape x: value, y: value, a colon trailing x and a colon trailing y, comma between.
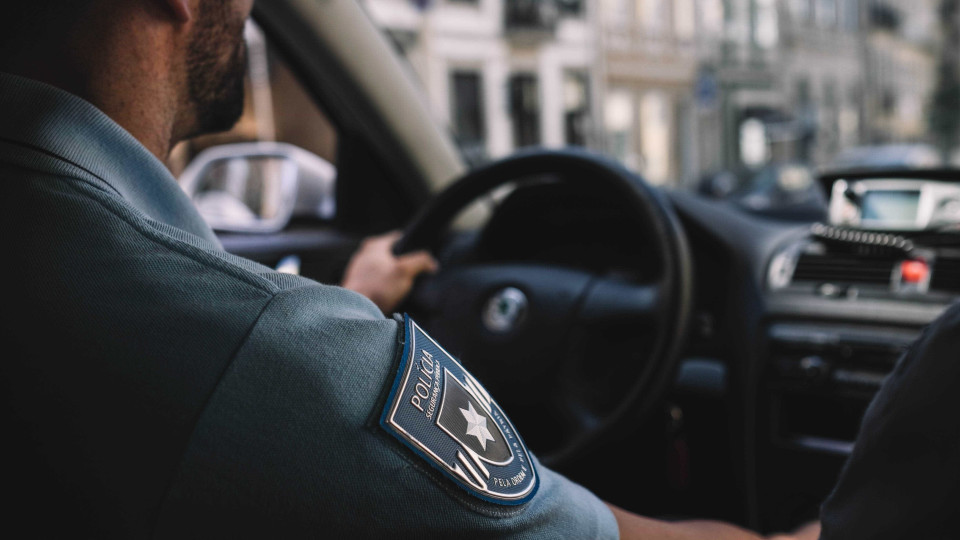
x: 442, y: 412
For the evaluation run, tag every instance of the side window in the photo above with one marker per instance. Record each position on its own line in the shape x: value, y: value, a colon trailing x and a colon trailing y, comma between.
x: 276, y: 165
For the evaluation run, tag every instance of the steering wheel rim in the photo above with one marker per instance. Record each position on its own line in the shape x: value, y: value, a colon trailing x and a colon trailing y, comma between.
x: 671, y: 299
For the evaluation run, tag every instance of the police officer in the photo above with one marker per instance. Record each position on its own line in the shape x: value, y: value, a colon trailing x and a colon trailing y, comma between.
x: 157, y: 386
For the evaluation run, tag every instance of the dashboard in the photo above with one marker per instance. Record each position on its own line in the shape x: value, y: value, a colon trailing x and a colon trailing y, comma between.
x: 795, y: 327
x: 815, y: 316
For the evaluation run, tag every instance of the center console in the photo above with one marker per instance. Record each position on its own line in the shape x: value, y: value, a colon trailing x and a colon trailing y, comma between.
x: 820, y: 377
x: 843, y: 304
x: 816, y: 384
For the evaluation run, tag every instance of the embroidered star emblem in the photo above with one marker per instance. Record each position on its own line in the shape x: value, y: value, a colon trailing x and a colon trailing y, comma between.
x: 477, y: 425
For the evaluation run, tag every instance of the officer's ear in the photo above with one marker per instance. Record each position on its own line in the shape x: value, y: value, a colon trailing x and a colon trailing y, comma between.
x: 181, y: 10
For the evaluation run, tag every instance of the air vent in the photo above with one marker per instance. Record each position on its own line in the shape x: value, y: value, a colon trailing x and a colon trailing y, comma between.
x: 837, y: 268
x: 946, y: 275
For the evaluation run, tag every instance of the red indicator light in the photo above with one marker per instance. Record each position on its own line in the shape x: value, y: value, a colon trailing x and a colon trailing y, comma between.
x: 914, y: 271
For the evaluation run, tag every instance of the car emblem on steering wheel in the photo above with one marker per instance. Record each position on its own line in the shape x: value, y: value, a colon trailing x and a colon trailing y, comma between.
x: 505, y: 310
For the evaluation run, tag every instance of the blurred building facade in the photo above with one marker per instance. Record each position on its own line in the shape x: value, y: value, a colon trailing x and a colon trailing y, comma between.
x: 650, y: 64
x: 822, y: 78
x: 503, y: 74
x: 676, y: 89
x: 900, y: 59
x: 742, y: 60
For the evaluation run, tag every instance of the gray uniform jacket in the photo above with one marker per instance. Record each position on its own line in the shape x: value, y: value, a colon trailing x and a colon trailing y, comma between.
x: 154, y: 385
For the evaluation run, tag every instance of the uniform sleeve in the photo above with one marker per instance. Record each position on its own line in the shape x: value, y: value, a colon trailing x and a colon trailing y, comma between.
x: 903, y: 479
x: 289, y: 445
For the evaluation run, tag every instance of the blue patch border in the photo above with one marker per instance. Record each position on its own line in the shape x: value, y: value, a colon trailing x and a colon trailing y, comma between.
x: 401, y: 370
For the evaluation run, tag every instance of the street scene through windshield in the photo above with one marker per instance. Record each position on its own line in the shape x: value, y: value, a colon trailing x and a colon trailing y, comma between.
x: 746, y: 99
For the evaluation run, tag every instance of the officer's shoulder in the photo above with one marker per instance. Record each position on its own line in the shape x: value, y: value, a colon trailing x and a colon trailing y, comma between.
x: 928, y: 363
x: 942, y: 331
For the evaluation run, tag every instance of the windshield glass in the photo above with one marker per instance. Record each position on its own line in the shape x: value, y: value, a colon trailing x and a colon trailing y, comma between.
x: 741, y: 99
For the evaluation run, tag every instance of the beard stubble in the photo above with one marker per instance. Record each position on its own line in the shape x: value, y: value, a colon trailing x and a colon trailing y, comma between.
x: 215, y: 83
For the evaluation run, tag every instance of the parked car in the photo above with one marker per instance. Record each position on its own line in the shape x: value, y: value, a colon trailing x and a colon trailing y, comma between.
x: 785, y: 191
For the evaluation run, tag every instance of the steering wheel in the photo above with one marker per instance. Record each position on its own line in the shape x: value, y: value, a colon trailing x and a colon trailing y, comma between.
x: 529, y: 331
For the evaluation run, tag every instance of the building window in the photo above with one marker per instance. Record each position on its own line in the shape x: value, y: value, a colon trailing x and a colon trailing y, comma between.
x: 573, y: 8
x: 525, y: 109
x: 830, y: 122
x: 850, y: 117
x: 684, y: 19
x: 767, y: 32
x: 807, y: 116
x: 654, y: 16
x: 576, y: 108
x: 801, y: 10
x: 851, y: 14
x: 619, y: 126
x: 468, y: 121
x: 656, y: 135
x: 617, y: 12
x: 754, y: 150
x: 711, y: 16
x: 827, y: 13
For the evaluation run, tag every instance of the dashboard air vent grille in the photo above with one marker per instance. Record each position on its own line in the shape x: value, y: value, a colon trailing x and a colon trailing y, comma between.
x: 946, y: 275
x: 837, y: 268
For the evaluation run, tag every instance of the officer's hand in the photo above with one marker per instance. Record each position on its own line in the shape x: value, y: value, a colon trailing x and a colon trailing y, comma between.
x: 382, y: 277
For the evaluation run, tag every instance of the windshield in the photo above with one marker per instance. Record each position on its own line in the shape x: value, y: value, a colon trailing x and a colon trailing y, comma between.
x: 740, y: 99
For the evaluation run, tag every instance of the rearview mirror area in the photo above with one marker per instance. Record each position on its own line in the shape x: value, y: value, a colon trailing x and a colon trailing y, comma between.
x: 259, y: 187
x: 247, y: 193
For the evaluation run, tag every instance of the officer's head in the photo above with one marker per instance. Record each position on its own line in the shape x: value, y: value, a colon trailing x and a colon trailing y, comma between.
x: 192, y: 51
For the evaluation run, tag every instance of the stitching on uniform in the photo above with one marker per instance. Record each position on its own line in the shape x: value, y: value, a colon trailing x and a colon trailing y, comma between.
x: 203, y: 409
x: 60, y: 175
x: 455, y: 492
x: 194, y: 253
x: 58, y: 158
x: 206, y: 259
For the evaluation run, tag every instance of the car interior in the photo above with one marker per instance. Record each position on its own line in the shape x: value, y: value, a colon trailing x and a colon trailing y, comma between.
x: 677, y: 355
